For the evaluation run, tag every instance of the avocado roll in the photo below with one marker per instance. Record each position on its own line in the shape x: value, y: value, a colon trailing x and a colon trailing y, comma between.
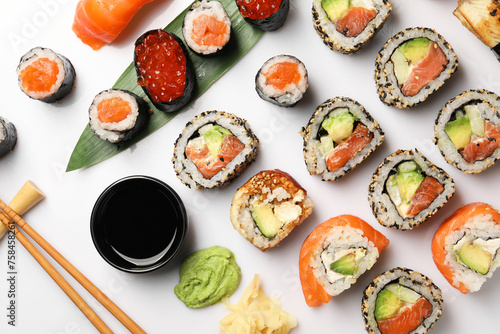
x: 117, y: 115
x: 467, y: 130
x: 8, y: 136
x: 206, y: 27
x: 267, y: 15
x: 213, y: 149
x: 45, y: 75
x: 339, y: 136
x: 401, y: 300
x: 282, y: 80
x: 347, y: 25
x: 268, y: 207
x: 465, y: 247
x: 406, y: 189
x: 164, y: 70
x: 412, y: 65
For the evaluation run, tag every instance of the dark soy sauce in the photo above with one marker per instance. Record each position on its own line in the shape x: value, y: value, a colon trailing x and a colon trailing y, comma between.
x: 140, y: 219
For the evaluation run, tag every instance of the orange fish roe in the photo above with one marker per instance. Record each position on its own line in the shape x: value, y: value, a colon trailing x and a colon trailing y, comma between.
x: 40, y: 75
x: 207, y: 30
x: 113, y: 110
x: 161, y: 63
x: 258, y: 9
x: 283, y: 74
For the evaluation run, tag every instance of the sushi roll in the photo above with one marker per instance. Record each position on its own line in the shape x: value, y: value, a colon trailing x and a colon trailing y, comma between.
x: 213, y: 149
x: 282, y: 80
x: 465, y: 247
x: 406, y: 189
x: 347, y: 25
x: 117, y: 115
x: 267, y: 15
x: 268, y: 207
x: 45, y: 75
x: 164, y: 70
x: 335, y: 255
x: 401, y: 300
x: 8, y: 137
x: 482, y: 18
x: 412, y: 65
x: 338, y: 137
x: 206, y: 27
x: 467, y: 130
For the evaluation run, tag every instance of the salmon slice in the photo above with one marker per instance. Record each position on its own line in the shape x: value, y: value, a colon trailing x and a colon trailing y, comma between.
x: 342, y: 153
x: 39, y: 76
x: 282, y: 74
x: 207, y: 30
x: 454, y: 223
x: 99, y: 22
x: 355, y: 21
x: 209, y: 165
x: 314, y: 293
x: 408, y: 319
x: 482, y: 148
x: 426, y: 192
x: 113, y: 110
x: 425, y: 71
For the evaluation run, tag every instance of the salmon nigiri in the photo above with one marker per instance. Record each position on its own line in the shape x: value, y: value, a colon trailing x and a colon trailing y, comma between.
x: 465, y: 246
x: 335, y: 254
x: 99, y: 22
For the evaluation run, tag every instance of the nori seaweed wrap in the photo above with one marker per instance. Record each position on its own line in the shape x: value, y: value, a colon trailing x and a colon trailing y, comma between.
x: 8, y: 136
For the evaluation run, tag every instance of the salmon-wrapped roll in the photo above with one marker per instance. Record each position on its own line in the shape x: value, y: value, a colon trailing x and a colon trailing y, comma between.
x: 465, y: 246
x: 335, y: 254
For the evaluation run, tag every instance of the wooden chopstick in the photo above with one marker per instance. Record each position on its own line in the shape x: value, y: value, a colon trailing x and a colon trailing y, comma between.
x: 79, y: 277
x: 72, y: 294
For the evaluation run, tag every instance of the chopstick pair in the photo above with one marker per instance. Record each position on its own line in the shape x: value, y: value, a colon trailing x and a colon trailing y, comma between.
x: 7, y: 213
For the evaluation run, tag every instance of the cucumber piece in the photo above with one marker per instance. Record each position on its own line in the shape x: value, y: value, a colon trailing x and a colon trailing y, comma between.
x: 326, y: 146
x: 408, y: 166
x: 393, y: 190
x: 403, y: 293
x: 475, y: 119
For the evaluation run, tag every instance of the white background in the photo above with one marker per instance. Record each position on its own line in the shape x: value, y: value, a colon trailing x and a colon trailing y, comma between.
x: 47, y: 134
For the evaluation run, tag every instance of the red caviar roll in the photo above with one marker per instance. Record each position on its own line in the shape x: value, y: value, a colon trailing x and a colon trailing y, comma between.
x: 266, y: 15
x: 164, y: 70
x: 335, y: 255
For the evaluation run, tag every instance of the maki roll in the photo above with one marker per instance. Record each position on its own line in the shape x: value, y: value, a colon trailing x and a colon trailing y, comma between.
x: 467, y: 130
x: 412, y: 65
x: 45, y: 75
x: 268, y: 207
x: 465, y: 246
x: 282, y: 80
x: 206, y: 27
x: 406, y: 189
x: 338, y: 137
x: 117, y: 115
x: 267, y: 15
x: 346, y: 25
x: 164, y: 70
x: 482, y: 18
x: 213, y: 148
x: 335, y: 255
x: 401, y: 301
x: 8, y: 137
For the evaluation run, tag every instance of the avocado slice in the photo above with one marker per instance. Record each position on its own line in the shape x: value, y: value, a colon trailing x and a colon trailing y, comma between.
x: 408, y: 183
x: 336, y: 9
x: 474, y: 257
x: 403, y: 293
x: 401, y: 66
x: 416, y: 49
x: 346, y: 265
x: 339, y: 124
x: 459, y: 131
x: 387, y: 305
x: 266, y: 221
x: 475, y: 119
x: 214, y: 137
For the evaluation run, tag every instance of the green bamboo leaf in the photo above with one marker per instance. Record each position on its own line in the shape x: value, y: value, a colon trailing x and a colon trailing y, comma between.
x: 91, y: 150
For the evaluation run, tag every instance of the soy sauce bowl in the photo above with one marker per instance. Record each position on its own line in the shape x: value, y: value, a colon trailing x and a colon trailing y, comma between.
x: 138, y: 224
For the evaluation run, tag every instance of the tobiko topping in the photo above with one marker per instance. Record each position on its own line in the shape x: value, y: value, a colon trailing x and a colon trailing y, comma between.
x: 162, y: 66
x: 258, y: 9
